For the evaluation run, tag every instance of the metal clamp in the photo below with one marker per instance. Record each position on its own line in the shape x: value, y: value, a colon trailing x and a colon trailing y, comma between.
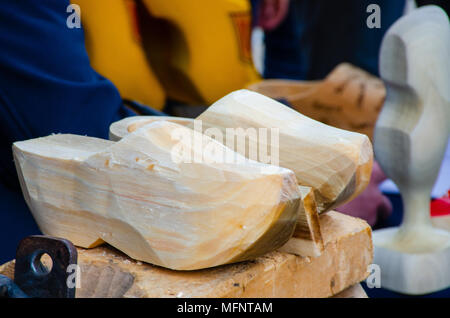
x: 32, y: 278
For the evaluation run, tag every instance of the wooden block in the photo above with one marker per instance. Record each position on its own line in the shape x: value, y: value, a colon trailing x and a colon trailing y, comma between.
x: 105, y: 272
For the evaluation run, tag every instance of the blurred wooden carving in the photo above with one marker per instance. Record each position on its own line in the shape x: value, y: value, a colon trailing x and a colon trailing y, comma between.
x: 410, y: 139
x: 349, y: 98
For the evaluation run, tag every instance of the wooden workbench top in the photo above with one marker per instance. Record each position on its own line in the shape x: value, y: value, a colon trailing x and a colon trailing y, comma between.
x: 106, y: 272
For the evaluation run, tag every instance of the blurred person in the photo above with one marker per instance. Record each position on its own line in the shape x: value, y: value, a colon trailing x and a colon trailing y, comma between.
x: 47, y: 86
x: 311, y: 37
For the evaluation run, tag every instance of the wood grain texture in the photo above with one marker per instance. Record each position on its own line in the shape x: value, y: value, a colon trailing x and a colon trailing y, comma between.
x: 307, y: 239
x: 410, y: 139
x: 106, y: 272
x: 348, y: 98
x: 135, y: 195
x: 336, y: 163
x: 333, y: 164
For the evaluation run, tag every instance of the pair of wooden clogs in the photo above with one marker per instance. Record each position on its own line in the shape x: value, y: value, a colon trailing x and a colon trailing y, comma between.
x: 142, y: 195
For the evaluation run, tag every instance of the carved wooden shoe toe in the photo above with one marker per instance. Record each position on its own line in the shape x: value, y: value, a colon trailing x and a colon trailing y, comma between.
x: 139, y: 197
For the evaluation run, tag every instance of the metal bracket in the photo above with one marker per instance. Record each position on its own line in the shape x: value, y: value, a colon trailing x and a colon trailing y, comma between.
x: 31, y: 275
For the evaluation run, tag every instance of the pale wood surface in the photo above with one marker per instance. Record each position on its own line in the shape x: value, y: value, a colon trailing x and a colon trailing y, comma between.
x: 121, y: 128
x: 332, y: 165
x: 135, y: 196
x: 410, y: 139
x: 348, y: 98
x: 106, y: 272
x: 336, y: 163
x: 306, y: 240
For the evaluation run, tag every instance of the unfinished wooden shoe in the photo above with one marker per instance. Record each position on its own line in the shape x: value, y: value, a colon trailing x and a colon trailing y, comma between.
x: 141, y: 197
x: 332, y: 165
x: 307, y: 238
x: 348, y: 98
x: 335, y: 163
